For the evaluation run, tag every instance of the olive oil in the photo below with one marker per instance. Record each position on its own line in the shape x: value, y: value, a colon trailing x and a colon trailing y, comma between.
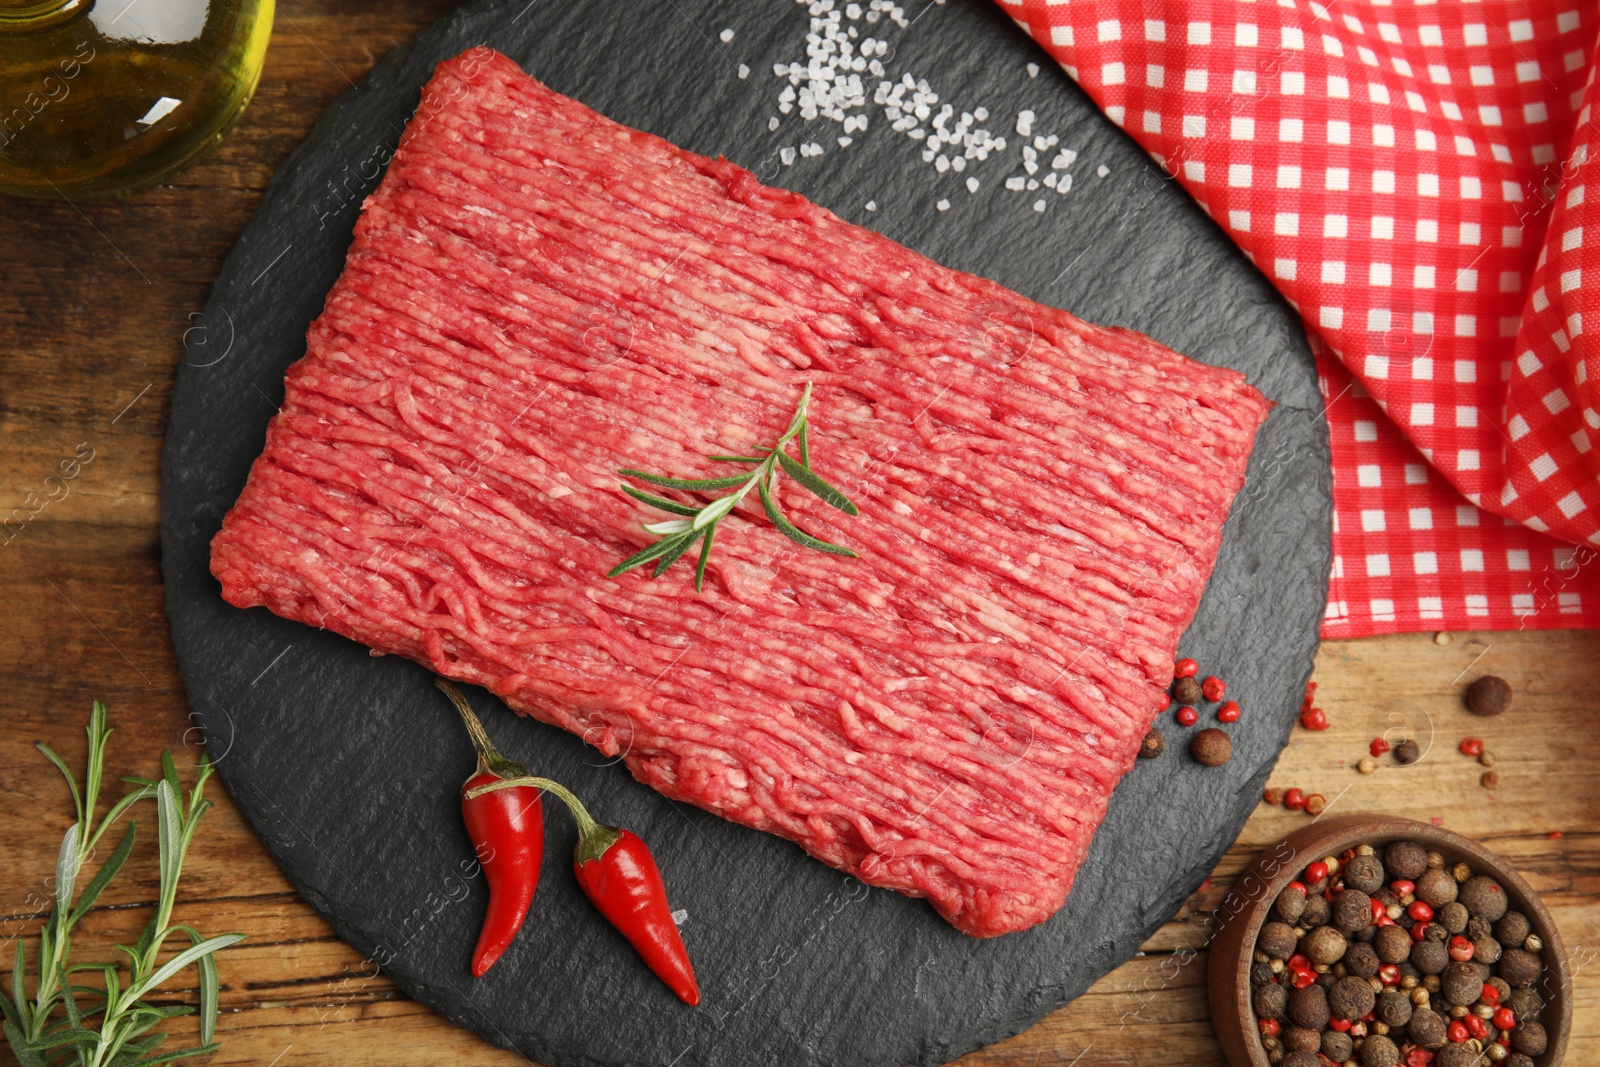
x: 107, y: 97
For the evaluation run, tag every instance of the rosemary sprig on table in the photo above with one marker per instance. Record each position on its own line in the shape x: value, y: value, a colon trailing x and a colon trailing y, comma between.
x: 679, y: 535
x: 109, y: 1023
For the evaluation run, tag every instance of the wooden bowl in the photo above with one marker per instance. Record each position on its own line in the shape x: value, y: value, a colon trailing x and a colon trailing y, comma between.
x: 1246, y: 907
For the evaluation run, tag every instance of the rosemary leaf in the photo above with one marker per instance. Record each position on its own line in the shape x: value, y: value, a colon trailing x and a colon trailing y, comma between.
x: 705, y: 554
x: 716, y: 510
x: 692, y: 484
x: 66, y: 872
x: 102, y: 878
x: 655, y: 551
x: 672, y: 557
x: 737, y: 459
x: 668, y: 528
x: 793, y: 532
x: 671, y: 506
x: 812, y: 481
x: 805, y: 446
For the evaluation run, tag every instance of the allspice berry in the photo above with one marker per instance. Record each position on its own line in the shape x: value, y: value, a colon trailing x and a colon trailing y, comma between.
x: 1324, y: 945
x: 1292, y: 902
x: 1485, y: 950
x: 1405, y: 859
x: 1513, y: 928
x: 1529, y: 1039
x: 1429, y: 957
x: 1153, y: 745
x: 1519, y: 968
x: 1336, y: 1046
x: 1454, y: 1055
x: 1379, y: 1051
x: 1394, y: 1008
x: 1352, y: 910
x: 1350, y: 998
x: 1212, y: 747
x: 1308, y: 1007
x: 1436, y: 887
x: 1407, y: 752
x: 1188, y: 691
x: 1365, y: 873
x: 1316, y: 913
x: 1460, y: 983
x: 1453, y: 916
x: 1426, y: 1028
x: 1277, y: 940
x: 1489, y: 779
x: 1525, y: 1002
x: 1518, y: 1059
x: 1392, y: 944
x: 1262, y: 974
x: 1300, y: 1057
x: 1489, y: 695
x: 1361, y: 960
x: 1483, y: 896
x: 1270, y: 1001
x: 1299, y: 1039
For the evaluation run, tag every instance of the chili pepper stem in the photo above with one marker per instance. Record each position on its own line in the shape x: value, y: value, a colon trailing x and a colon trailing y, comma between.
x: 593, y: 838
x: 490, y: 761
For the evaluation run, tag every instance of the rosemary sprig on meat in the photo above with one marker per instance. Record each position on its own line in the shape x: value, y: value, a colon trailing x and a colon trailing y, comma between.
x: 699, y: 524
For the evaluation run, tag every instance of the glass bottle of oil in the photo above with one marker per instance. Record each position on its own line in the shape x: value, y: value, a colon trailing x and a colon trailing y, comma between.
x: 106, y: 97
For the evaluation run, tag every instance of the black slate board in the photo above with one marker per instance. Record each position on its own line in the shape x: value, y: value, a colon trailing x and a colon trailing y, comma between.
x: 348, y: 765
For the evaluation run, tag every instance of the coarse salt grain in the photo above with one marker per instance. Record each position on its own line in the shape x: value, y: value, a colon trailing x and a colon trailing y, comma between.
x: 744, y: 71
x: 872, y: 205
x: 727, y: 36
x: 827, y: 84
x: 943, y: 205
x: 1038, y: 205
x: 1102, y: 171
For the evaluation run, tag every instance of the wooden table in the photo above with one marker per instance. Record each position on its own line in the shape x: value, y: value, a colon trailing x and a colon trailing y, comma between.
x: 95, y: 303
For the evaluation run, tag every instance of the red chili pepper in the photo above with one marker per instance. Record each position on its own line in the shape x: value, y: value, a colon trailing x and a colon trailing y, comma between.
x: 625, y: 884
x: 507, y: 832
x: 617, y: 872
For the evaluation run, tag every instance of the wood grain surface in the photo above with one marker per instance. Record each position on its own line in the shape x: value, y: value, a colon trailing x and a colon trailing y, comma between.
x: 96, y: 300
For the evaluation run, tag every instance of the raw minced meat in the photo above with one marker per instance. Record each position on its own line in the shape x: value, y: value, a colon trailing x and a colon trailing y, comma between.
x: 537, y: 296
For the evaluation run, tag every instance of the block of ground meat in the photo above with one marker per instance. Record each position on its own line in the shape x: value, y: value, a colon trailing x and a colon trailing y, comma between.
x: 537, y: 296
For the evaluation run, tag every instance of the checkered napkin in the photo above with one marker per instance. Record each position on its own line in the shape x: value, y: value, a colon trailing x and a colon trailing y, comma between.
x: 1412, y: 176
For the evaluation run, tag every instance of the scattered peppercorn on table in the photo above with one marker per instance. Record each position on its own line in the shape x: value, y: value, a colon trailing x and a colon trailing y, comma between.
x: 92, y: 334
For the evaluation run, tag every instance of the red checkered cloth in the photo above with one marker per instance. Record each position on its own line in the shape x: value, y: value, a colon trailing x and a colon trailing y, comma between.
x: 1412, y: 178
